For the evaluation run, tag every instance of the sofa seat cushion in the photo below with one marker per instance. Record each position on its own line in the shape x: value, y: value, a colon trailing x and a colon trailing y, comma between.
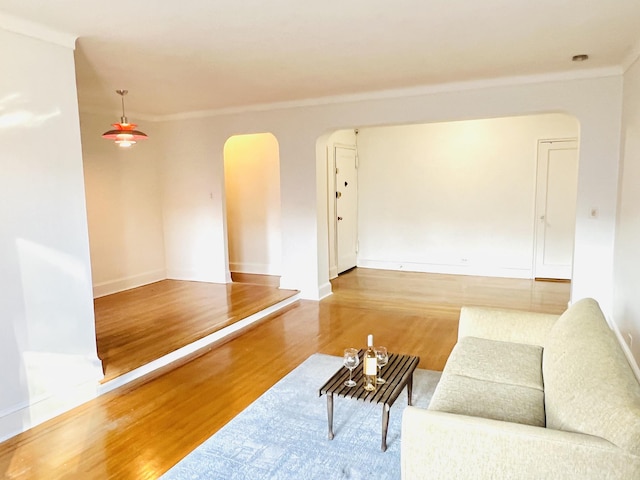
x: 495, y: 361
x: 493, y: 379
x: 481, y: 398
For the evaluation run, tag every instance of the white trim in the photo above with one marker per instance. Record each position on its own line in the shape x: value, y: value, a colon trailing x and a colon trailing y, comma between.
x: 631, y: 57
x: 37, y: 31
x: 398, y: 93
x: 625, y: 348
x: 26, y: 415
x: 115, y: 112
x: 121, y: 284
x: 540, y: 180
x: 256, y: 268
x: 193, y: 347
x: 347, y: 146
x: 333, y: 272
x: 447, y: 269
x: 193, y: 275
x: 23, y: 417
x: 324, y: 291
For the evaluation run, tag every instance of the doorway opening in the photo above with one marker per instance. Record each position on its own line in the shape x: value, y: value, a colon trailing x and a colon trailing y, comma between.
x: 556, y: 195
x: 252, y: 194
x: 456, y: 197
x: 342, y: 200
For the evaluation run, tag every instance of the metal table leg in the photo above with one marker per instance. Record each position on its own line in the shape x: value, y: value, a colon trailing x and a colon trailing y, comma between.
x: 409, y: 389
x: 330, y: 414
x: 385, y: 425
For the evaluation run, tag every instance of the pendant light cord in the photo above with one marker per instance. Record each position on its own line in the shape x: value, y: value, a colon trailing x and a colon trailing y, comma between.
x: 122, y: 93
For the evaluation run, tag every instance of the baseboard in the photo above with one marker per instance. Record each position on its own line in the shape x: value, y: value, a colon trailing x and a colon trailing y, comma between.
x: 23, y: 417
x: 192, y: 275
x: 625, y: 348
x: 257, y: 268
x: 119, y: 285
x: 50, y: 404
x: 256, y: 279
x: 333, y: 272
x: 324, y: 291
x: 447, y: 269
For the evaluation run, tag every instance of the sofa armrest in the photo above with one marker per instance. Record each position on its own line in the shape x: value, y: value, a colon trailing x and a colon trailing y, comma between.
x: 505, y: 325
x: 439, y: 445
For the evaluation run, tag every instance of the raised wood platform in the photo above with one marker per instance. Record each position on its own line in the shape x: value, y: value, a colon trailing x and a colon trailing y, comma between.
x: 138, y: 326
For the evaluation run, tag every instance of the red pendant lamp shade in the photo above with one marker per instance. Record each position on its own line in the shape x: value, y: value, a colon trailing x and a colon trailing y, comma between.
x: 124, y: 133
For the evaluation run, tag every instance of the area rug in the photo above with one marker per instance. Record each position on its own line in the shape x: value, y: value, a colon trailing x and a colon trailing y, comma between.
x: 283, y: 434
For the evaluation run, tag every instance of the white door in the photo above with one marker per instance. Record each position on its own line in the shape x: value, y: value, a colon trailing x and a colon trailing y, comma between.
x: 556, y: 192
x: 346, y: 208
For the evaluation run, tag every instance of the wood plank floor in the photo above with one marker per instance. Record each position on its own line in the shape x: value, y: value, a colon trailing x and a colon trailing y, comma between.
x: 142, y: 429
x: 138, y: 326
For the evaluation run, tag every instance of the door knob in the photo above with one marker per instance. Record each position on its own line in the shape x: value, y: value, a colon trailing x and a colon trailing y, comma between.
x: 339, y: 218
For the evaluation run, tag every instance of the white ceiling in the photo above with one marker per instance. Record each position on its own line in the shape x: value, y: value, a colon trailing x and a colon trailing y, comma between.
x: 193, y: 55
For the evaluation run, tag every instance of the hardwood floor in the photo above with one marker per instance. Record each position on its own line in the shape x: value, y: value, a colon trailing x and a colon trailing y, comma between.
x: 139, y: 325
x: 142, y: 429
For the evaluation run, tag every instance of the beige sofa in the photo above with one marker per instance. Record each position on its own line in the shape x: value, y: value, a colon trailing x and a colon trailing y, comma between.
x: 529, y: 396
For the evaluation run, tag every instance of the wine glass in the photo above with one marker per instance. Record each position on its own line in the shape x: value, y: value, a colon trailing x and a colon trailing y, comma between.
x: 351, y: 361
x: 382, y: 357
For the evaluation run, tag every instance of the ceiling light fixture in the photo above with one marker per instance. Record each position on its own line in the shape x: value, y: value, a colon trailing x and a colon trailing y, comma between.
x: 124, y: 133
x: 580, y: 58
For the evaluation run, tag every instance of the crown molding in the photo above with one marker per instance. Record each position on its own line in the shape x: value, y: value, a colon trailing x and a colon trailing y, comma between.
x: 37, y: 31
x: 367, y: 96
x: 115, y: 113
x: 397, y: 93
x: 632, y: 57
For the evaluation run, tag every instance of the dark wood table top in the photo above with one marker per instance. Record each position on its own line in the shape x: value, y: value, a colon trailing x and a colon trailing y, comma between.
x: 396, y: 373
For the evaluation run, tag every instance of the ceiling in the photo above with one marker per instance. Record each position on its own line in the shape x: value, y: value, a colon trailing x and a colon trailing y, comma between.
x: 195, y: 55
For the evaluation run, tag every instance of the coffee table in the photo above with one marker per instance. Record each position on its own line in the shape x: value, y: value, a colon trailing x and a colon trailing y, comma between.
x: 398, y: 373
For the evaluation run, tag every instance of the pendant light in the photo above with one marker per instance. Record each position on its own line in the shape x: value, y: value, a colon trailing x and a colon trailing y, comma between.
x: 124, y: 133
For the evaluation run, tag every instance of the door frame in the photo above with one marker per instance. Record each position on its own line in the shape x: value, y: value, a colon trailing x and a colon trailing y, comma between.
x: 537, y: 213
x: 332, y: 216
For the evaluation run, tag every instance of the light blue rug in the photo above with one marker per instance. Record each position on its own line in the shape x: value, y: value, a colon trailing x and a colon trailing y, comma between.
x: 283, y: 434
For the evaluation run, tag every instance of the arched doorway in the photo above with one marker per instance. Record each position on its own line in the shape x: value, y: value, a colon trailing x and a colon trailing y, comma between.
x: 451, y: 197
x: 252, y: 192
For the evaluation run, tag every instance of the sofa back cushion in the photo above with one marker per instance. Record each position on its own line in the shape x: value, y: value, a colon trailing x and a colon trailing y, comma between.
x: 589, y: 386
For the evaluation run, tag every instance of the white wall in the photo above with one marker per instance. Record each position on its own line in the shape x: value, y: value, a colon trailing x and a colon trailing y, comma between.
x: 195, y: 158
x: 48, y: 351
x: 627, y: 265
x: 455, y: 197
x: 252, y: 187
x: 124, y: 207
x: 193, y: 202
x: 194, y: 208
